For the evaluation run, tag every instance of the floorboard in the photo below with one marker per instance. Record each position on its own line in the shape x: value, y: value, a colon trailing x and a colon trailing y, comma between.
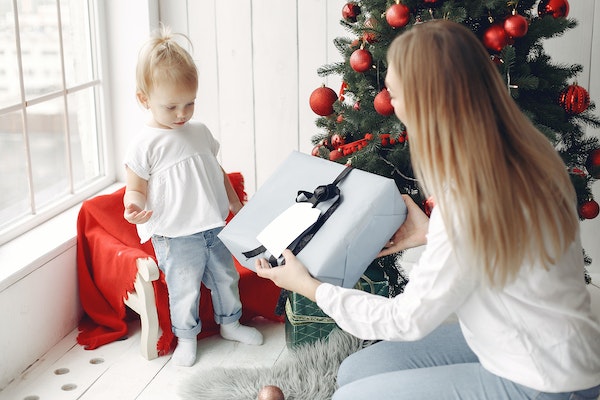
x: 117, y: 371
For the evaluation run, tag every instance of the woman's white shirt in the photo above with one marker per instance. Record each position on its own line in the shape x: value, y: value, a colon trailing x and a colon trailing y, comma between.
x: 538, y: 331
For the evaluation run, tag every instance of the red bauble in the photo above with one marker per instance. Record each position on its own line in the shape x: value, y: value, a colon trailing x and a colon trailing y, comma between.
x: 321, y: 101
x: 589, y: 209
x: 370, y: 36
x: 556, y: 8
x: 350, y: 11
x: 270, y: 392
x: 335, y: 154
x: 337, y: 141
x: 397, y: 15
x: 361, y: 60
x: 516, y: 26
x: 574, y: 99
x: 383, y: 103
x: 315, y: 150
x: 495, y: 37
x: 592, y: 164
x: 428, y: 206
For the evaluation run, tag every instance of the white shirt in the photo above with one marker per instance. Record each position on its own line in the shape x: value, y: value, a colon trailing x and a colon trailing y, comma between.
x: 538, y: 331
x: 185, y: 181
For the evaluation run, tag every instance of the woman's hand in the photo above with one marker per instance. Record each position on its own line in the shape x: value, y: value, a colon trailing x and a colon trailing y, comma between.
x: 292, y: 276
x: 412, y: 232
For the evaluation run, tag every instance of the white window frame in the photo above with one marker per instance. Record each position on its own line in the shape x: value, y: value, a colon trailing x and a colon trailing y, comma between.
x: 42, y: 214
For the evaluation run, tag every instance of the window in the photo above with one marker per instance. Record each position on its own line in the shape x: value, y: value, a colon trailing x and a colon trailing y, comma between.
x: 51, y: 131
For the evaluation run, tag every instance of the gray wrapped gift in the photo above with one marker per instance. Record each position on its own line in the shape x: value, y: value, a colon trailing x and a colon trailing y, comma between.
x: 356, y: 213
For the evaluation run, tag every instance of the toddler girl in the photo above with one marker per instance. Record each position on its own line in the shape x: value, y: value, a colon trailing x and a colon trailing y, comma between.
x: 179, y: 196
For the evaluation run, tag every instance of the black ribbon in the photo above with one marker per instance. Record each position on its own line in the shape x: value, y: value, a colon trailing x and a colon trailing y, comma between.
x: 319, y: 195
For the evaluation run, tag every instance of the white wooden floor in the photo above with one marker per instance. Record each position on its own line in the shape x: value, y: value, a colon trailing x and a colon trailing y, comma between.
x: 117, y: 371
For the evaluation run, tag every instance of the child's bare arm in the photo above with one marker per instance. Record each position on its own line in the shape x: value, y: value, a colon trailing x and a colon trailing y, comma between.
x: 235, y: 205
x: 134, y: 199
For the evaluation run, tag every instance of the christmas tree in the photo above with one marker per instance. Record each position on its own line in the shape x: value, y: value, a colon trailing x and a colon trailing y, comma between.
x: 358, y: 122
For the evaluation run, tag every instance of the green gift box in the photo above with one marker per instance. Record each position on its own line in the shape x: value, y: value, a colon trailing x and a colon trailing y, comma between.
x: 305, y: 322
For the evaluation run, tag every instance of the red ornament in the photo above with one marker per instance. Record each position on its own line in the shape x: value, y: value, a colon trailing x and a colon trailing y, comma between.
x: 574, y: 99
x: 516, y: 25
x: 270, y: 392
x: 350, y: 11
x: 343, y: 90
x: 321, y: 101
x: 428, y: 206
x: 495, y: 37
x: 315, y: 150
x: 383, y: 103
x: 592, y: 164
x: 356, y: 106
x: 370, y: 36
x: 589, y: 209
x: 556, y: 8
x: 335, y: 154
x: 337, y: 141
x: 361, y: 60
x: 397, y: 15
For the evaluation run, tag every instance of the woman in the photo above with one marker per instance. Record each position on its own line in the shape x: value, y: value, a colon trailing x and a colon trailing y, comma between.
x: 502, y: 248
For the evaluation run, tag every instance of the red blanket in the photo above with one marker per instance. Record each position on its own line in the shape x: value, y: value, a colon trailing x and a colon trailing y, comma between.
x: 107, y: 250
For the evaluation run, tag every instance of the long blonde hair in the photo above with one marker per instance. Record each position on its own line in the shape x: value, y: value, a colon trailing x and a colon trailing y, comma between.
x: 499, y: 183
x: 163, y: 60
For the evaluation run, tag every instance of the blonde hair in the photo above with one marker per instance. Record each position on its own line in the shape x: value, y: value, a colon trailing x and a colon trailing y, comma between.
x: 163, y: 60
x: 499, y: 183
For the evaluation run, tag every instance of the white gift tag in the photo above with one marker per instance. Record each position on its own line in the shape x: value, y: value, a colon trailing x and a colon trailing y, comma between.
x: 287, y: 226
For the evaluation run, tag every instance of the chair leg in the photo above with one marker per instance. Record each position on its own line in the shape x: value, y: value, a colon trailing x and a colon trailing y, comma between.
x: 143, y: 302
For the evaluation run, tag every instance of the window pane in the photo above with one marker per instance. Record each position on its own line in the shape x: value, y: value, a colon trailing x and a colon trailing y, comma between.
x: 45, y: 123
x: 14, y: 195
x: 40, y: 49
x: 9, y: 68
x: 76, y: 42
x: 84, y: 141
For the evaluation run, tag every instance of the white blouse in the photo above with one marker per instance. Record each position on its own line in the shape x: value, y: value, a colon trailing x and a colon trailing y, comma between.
x: 185, y: 181
x: 538, y: 331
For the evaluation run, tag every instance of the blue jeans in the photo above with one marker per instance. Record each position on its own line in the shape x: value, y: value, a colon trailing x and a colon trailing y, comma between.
x: 188, y: 261
x: 440, y: 366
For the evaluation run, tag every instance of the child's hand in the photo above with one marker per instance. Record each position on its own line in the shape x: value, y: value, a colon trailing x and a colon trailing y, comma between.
x: 292, y: 276
x: 235, y: 207
x: 136, y: 215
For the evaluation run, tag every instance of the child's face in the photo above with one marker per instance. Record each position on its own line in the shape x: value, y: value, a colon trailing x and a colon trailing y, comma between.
x: 171, y: 105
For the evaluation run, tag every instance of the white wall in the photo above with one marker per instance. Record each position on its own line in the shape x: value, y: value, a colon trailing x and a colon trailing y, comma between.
x: 257, y: 72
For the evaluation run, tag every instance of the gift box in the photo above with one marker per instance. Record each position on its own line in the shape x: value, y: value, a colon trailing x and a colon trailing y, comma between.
x: 305, y: 322
x: 351, y: 229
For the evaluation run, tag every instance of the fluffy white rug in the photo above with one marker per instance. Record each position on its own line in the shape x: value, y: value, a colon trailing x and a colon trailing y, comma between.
x: 307, y: 373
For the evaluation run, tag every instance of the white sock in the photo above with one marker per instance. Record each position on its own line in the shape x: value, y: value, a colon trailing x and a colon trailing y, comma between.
x: 240, y: 333
x: 185, y: 352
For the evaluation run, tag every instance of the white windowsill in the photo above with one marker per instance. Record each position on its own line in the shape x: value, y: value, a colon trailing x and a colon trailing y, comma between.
x: 28, y: 252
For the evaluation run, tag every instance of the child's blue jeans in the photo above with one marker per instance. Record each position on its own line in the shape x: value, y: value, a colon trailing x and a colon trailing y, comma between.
x: 441, y: 366
x: 186, y: 262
